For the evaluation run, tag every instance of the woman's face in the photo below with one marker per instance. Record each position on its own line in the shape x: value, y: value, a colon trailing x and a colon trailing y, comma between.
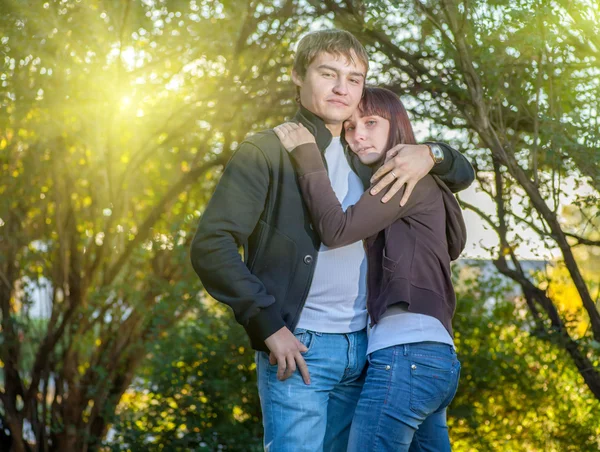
x: 367, y: 136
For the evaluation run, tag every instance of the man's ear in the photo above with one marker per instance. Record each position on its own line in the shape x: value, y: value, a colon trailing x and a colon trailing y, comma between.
x: 297, y: 79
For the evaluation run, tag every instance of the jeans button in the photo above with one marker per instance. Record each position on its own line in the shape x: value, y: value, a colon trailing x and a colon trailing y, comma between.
x: 413, y: 367
x: 388, y: 367
x: 308, y: 259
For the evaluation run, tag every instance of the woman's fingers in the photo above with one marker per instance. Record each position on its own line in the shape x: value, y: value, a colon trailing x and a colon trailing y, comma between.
x: 290, y: 126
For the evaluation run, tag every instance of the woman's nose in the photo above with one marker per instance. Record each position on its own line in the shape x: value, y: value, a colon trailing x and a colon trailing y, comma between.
x: 359, y: 133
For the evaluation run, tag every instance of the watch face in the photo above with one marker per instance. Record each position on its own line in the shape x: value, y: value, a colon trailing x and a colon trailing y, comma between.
x: 438, y: 154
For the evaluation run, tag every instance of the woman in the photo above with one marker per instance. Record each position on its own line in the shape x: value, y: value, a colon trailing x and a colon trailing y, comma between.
x: 413, y: 370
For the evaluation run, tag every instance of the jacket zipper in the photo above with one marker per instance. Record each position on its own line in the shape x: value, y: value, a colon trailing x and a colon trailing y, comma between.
x: 312, y: 274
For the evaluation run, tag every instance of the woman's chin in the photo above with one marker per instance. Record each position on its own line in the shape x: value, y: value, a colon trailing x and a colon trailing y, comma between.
x: 370, y: 158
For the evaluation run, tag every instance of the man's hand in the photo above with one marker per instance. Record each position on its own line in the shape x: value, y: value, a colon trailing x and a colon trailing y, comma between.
x: 286, y: 352
x: 293, y: 135
x: 405, y: 164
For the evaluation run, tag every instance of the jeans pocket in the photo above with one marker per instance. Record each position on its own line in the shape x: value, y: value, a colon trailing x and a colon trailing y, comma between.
x: 453, y: 384
x: 381, y: 359
x: 430, y: 381
x: 305, y: 337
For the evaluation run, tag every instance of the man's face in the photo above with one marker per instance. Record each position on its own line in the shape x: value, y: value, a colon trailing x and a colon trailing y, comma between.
x: 332, y: 88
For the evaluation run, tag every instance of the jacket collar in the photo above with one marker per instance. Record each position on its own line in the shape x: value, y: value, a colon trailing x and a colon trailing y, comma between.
x: 323, y: 137
x: 316, y: 126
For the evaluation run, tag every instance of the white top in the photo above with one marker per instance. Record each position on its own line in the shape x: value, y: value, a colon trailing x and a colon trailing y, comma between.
x: 337, y: 299
x: 398, y: 326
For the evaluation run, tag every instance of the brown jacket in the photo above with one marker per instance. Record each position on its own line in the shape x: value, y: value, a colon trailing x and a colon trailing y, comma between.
x: 408, y: 248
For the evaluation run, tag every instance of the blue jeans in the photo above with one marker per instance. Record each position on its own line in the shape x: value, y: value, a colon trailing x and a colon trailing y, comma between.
x: 315, y: 417
x: 403, y: 403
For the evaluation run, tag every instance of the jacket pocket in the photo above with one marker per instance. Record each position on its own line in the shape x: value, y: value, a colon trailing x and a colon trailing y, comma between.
x: 388, y: 263
x: 274, y: 260
x: 427, y: 272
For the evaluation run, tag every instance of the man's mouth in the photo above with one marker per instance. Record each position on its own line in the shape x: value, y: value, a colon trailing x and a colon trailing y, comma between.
x: 364, y: 149
x: 338, y: 102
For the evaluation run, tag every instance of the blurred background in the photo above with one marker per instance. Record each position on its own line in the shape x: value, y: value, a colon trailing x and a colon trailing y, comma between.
x: 116, y: 118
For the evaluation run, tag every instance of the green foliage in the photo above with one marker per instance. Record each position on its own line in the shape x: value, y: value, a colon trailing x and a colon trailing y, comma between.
x: 197, y: 390
x: 518, y: 391
x: 115, y: 121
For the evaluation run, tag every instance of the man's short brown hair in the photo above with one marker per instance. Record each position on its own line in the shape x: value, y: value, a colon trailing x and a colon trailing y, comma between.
x: 336, y: 42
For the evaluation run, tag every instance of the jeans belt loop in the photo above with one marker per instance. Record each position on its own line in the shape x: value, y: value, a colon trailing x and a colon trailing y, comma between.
x: 405, y: 348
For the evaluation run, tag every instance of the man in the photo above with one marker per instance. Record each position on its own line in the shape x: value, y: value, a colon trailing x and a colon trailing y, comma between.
x: 304, y: 305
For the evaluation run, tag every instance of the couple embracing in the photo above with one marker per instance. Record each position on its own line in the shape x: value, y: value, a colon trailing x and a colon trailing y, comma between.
x: 344, y: 288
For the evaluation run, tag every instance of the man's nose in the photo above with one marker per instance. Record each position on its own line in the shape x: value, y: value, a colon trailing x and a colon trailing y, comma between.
x: 341, y: 87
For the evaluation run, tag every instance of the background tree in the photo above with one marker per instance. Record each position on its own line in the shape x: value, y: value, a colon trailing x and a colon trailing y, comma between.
x: 517, y: 81
x: 517, y: 391
x: 116, y: 117
x: 196, y: 392
x: 115, y: 121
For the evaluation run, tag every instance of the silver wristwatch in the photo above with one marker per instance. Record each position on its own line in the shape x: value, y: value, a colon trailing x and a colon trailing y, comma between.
x: 436, y: 152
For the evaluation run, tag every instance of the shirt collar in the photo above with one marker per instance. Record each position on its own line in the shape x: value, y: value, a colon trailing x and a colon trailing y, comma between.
x: 316, y: 126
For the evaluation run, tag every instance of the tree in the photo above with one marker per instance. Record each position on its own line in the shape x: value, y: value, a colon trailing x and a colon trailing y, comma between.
x: 116, y: 119
x: 517, y: 391
x: 196, y: 392
x: 517, y: 81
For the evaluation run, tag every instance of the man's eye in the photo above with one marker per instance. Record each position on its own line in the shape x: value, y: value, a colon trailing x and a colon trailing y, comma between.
x: 327, y: 74
x: 355, y: 81
x: 349, y: 128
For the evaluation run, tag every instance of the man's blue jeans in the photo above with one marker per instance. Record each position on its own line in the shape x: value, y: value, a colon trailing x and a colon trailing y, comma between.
x: 315, y: 417
x: 403, y: 403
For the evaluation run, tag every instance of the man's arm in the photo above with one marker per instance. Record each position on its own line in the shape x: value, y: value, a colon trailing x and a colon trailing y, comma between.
x: 455, y: 170
x: 230, y: 217
x: 408, y: 163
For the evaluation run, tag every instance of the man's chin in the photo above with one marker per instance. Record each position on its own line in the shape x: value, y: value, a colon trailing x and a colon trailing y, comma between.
x: 335, y: 115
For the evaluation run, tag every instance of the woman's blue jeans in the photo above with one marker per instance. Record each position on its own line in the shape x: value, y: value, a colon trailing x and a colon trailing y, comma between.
x: 402, y: 406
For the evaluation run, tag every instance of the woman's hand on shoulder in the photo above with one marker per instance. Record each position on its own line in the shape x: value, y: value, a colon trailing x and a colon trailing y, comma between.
x: 293, y: 135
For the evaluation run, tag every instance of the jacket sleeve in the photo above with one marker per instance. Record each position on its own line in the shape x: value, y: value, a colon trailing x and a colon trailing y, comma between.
x: 368, y: 216
x: 455, y: 171
x: 230, y: 217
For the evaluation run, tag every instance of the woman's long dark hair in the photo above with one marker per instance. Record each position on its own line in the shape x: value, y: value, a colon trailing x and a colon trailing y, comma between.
x: 383, y: 102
